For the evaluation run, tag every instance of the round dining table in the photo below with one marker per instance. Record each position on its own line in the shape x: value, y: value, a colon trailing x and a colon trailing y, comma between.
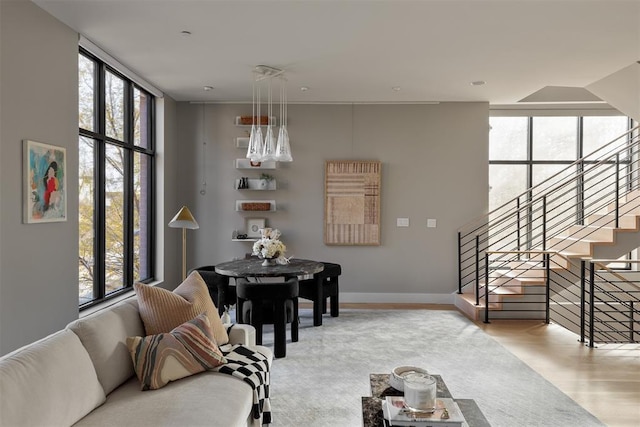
x: 252, y: 267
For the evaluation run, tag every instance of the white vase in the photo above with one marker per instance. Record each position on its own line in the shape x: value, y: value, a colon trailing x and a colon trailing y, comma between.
x: 226, y: 319
x: 269, y: 262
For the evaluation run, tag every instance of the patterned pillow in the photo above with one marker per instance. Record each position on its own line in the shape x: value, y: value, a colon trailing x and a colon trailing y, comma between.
x: 186, y: 350
x: 162, y: 310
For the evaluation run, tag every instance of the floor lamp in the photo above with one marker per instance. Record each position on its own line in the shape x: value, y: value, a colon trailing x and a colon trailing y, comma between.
x: 184, y: 219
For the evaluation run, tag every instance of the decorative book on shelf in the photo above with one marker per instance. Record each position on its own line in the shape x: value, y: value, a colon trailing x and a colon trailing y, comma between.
x: 396, y: 413
x: 255, y: 205
x: 250, y: 120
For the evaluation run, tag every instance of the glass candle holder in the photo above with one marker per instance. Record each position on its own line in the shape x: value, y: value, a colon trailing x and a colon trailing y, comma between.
x: 420, y: 392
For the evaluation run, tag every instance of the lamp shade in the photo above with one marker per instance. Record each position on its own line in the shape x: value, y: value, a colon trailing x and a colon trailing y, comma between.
x: 184, y: 219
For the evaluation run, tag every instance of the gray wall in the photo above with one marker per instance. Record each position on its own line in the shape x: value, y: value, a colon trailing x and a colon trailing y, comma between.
x: 434, y: 166
x: 39, y: 101
x: 39, y: 262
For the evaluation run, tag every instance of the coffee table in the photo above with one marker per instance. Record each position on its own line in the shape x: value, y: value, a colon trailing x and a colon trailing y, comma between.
x: 380, y: 388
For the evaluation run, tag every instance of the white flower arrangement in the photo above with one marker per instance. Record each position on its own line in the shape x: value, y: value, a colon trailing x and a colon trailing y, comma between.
x: 269, y: 247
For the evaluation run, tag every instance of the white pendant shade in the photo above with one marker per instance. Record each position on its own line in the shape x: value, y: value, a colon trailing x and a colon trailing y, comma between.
x: 258, y: 142
x: 269, y: 152
x: 283, y: 149
x: 251, y: 149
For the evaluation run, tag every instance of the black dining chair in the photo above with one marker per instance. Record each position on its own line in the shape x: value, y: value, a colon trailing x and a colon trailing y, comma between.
x: 330, y: 288
x: 221, y: 291
x: 273, y: 303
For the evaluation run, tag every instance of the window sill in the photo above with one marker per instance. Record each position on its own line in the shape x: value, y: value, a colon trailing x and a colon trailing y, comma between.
x: 112, y: 301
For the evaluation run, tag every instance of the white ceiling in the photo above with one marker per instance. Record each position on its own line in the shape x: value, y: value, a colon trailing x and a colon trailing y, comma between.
x: 358, y: 50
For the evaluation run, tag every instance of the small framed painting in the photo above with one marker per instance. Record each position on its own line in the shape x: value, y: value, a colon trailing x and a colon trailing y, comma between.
x: 253, y: 227
x: 45, y: 183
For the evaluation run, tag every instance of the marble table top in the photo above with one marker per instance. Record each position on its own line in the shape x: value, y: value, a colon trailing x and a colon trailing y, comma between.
x: 252, y: 267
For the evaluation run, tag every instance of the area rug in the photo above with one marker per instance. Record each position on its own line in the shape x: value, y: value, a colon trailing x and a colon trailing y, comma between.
x: 321, y: 380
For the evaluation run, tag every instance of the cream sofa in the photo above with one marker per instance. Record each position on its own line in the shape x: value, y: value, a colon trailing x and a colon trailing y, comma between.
x: 83, y: 376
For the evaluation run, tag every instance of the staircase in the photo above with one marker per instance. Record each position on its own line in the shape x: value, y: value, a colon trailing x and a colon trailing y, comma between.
x: 531, y: 258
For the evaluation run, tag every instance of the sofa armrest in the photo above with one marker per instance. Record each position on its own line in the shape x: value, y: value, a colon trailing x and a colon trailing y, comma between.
x: 241, y: 333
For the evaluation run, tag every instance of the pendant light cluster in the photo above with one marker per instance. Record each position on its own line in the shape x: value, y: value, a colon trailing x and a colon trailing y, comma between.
x: 268, y: 148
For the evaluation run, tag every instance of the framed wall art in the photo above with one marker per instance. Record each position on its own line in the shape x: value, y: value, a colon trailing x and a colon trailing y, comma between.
x: 45, y: 183
x: 352, y: 202
x: 253, y: 226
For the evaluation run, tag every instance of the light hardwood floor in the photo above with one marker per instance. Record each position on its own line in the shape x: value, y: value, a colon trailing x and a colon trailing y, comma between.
x: 604, y: 380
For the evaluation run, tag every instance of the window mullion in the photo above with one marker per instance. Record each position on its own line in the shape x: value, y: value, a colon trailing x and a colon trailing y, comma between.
x: 128, y: 187
x: 100, y: 202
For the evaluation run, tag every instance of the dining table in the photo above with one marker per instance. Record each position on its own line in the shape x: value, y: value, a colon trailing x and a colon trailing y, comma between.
x: 252, y: 267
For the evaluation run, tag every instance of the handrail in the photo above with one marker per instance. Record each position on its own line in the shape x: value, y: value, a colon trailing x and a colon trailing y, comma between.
x: 586, y: 175
x: 535, y: 231
x: 629, y: 133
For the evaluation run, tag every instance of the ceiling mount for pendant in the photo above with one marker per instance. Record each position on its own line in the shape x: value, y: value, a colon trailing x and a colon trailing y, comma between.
x: 265, y: 72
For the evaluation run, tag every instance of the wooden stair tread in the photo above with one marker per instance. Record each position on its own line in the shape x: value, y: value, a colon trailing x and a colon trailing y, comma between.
x: 469, y: 298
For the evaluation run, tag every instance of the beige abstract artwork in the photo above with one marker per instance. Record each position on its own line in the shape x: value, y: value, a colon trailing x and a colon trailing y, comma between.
x: 352, y: 202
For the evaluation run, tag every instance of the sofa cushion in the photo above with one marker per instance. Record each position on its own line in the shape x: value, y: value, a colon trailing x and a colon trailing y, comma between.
x: 186, y: 350
x: 104, y: 335
x: 208, y: 399
x: 49, y: 382
x: 162, y: 310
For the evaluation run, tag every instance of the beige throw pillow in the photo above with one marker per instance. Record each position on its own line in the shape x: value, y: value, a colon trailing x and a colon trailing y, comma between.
x: 162, y: 310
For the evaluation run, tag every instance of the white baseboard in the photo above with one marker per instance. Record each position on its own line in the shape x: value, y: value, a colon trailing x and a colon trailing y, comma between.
x: 358, y: 297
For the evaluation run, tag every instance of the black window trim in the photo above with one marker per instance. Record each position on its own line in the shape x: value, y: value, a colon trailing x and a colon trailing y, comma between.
x: 101, y: 140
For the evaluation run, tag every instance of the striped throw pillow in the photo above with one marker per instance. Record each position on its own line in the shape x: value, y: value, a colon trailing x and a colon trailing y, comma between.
x: 162, y: 310
x: 185, y: 351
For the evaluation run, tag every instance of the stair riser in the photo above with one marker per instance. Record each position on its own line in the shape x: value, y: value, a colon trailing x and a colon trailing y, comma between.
x: 591, y: 233
x: 562, y: 244
x: 628, y: 222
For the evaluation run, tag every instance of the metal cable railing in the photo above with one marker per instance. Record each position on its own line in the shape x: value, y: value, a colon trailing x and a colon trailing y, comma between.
x: 543, y: 212
x: 582, y: 203
x: 612, y: 304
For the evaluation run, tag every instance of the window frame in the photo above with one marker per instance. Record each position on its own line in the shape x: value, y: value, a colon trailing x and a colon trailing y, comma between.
x: 101, y: 140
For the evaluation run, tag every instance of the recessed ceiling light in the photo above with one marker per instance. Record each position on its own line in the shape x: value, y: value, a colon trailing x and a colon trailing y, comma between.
x: 396, y: 88
x: 208, y: 88
x: 304, y: 88
x: 185, y: 33
x: 478, y: 83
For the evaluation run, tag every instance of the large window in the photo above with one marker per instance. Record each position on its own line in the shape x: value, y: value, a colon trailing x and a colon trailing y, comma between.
x: 525, y: 151
x: 116, y: 158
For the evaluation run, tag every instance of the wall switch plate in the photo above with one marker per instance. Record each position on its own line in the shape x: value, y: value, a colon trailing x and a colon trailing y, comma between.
x: 402, y: 222
x: 431, y: 223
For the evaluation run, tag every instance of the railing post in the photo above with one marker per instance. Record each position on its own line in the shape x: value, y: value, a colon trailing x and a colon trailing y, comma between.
x: 486, y: 288
x: 548, y: 293
x: 617, y: 190
x: 582, y: 280
x: 459, y: 262
x: 544, y: 223
x: 591, y: 303
x: 477, y: 270
x: 631, y: 322
x: 519, y: 237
